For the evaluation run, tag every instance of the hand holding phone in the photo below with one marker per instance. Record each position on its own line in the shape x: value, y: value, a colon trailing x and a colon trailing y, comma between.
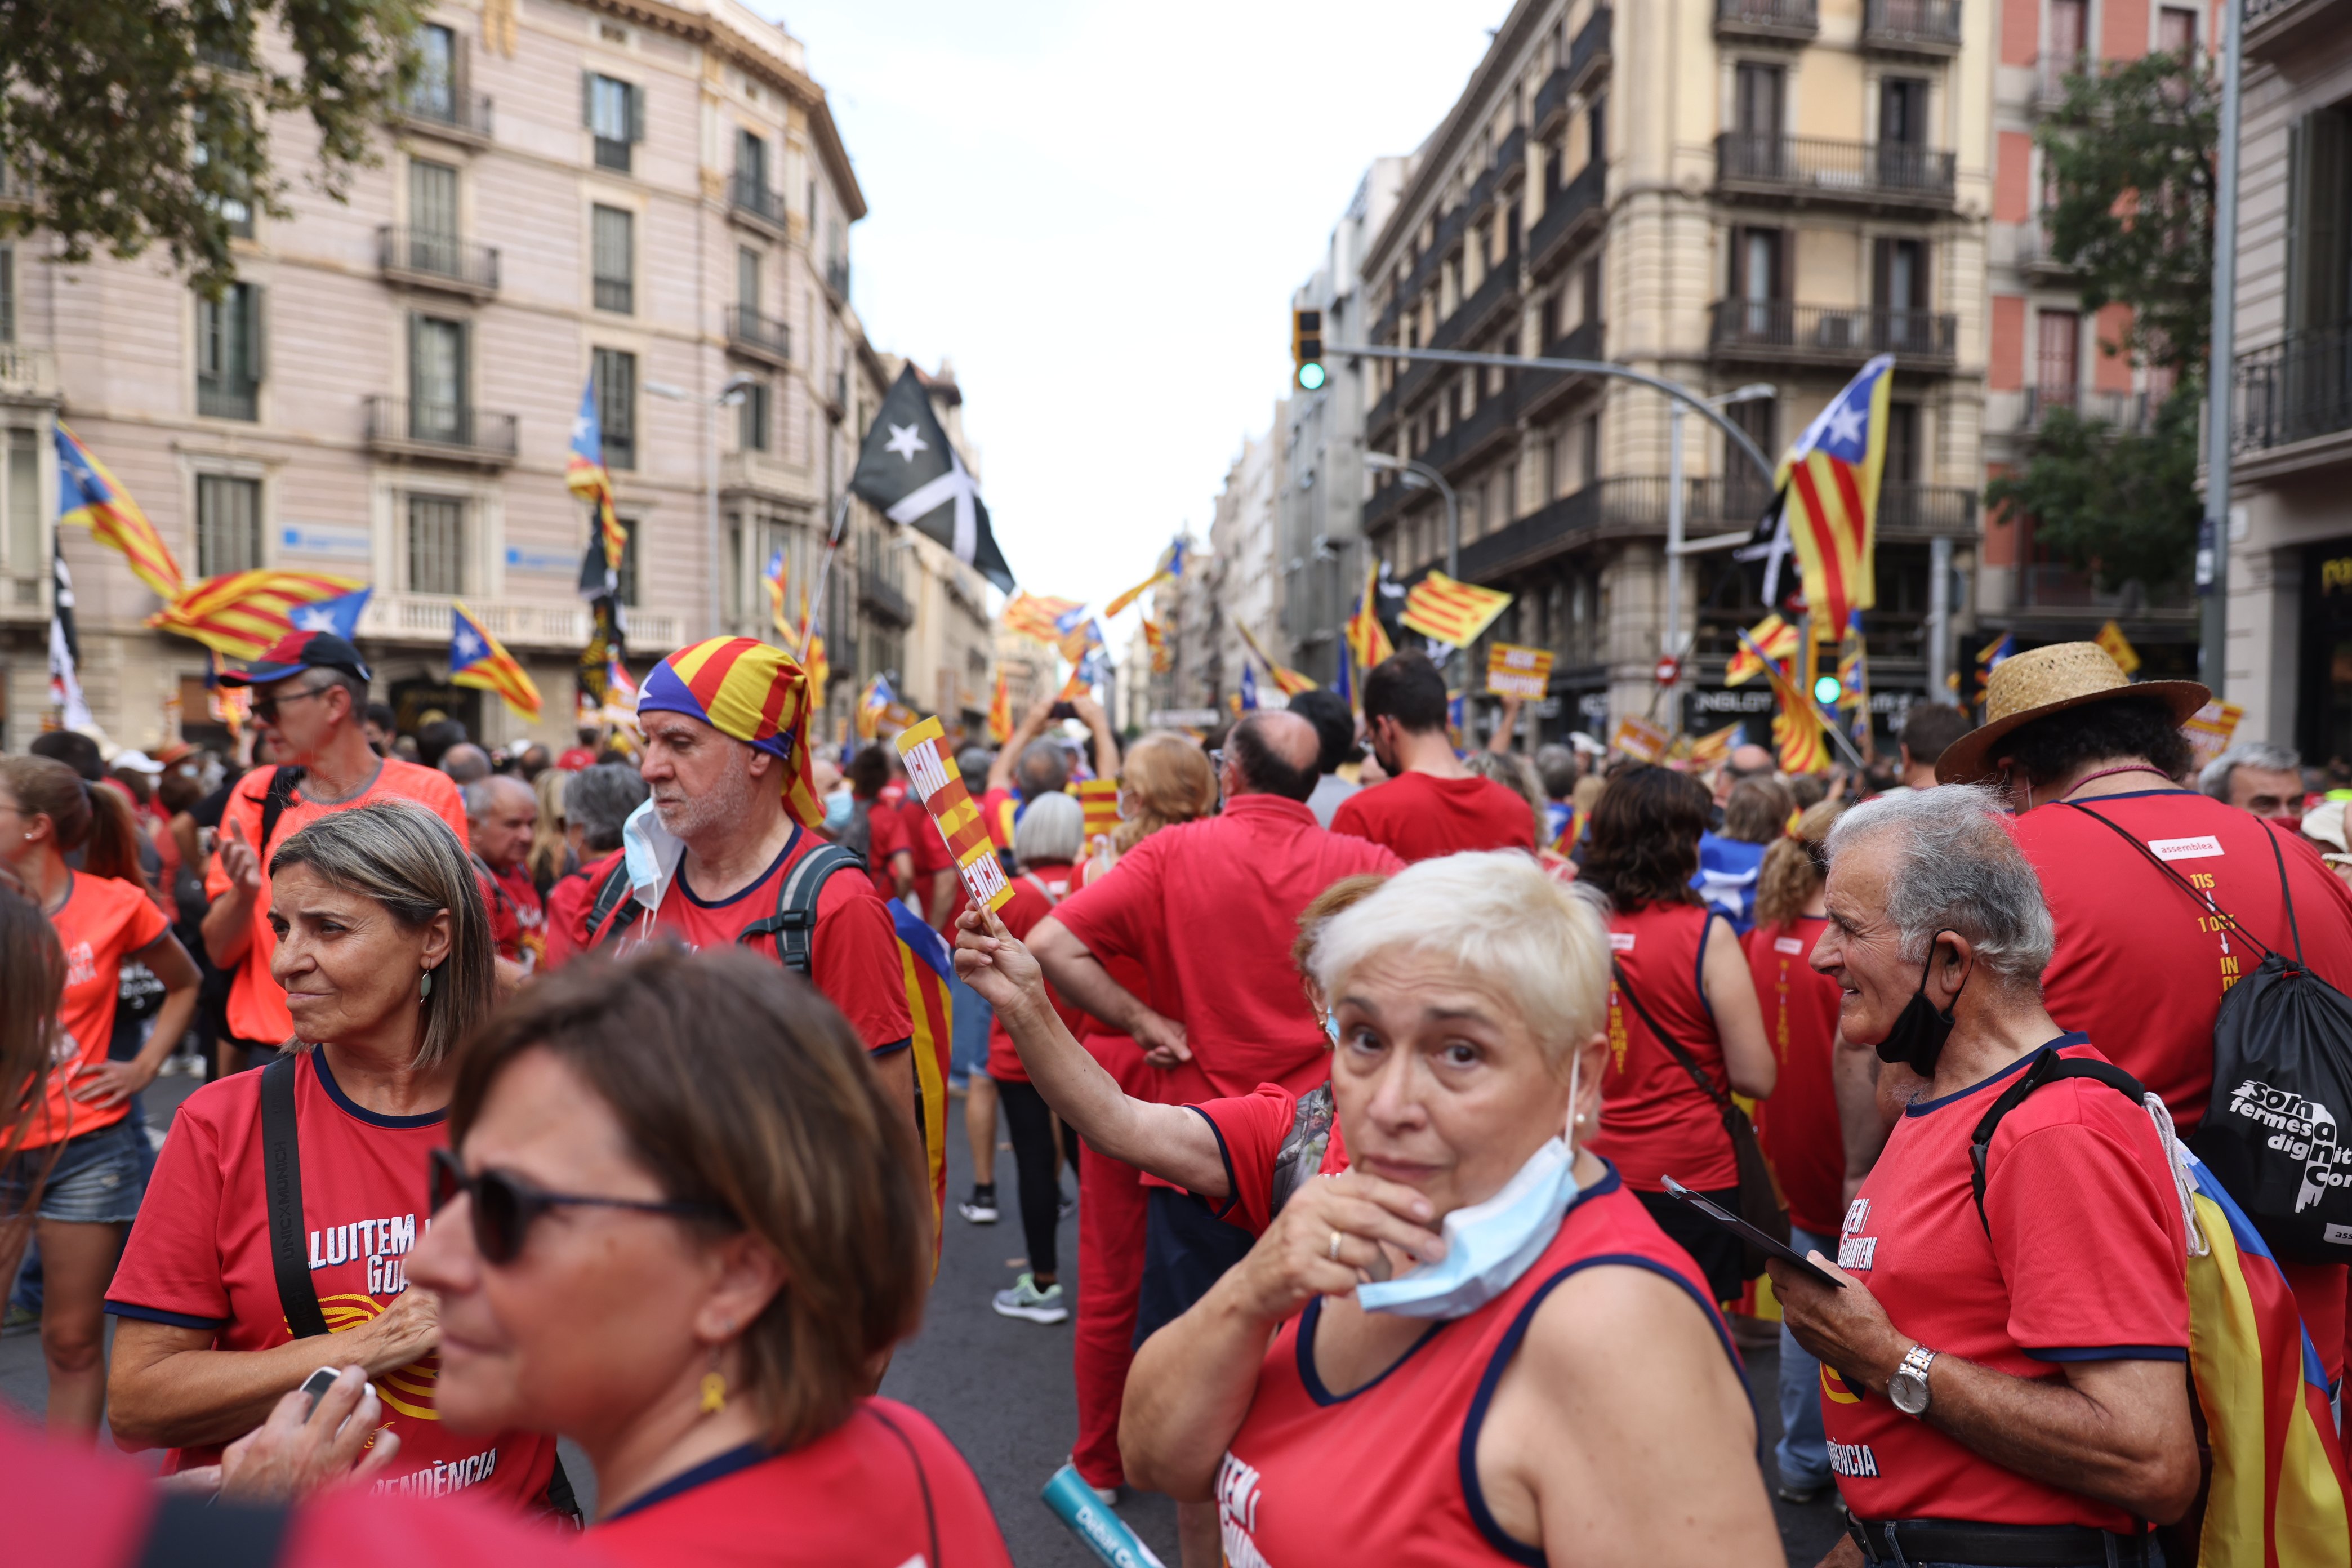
x: 1752, y: 1236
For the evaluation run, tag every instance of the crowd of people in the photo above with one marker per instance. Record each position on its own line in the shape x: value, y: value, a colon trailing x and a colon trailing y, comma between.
x: 1409, y: 1091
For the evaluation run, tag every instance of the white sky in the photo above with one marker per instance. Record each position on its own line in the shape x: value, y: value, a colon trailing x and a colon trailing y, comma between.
x: 1097, y: 211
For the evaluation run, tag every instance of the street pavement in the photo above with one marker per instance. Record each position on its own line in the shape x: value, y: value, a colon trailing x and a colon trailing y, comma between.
x: 1000, y: 1387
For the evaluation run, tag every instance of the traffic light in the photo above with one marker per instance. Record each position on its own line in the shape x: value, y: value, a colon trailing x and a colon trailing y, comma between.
x: 1306, y: 348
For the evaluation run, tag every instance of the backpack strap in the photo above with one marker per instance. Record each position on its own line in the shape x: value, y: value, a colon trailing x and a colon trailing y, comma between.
x: 2048, y: 1066
x: 1051, y: 897
x: 274, y: 802
x: 1674, y: 1047
x: 281, y: 1182
x: 2204, y: 898
x: 795, y: 918
x: 613, y: 894
x: 498, y: 888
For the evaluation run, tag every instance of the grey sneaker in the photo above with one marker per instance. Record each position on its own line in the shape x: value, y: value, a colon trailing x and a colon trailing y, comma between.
x: 1026, y: 1300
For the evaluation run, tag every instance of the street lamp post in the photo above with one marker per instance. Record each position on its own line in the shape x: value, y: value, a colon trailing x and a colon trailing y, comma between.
x: 731, y: 393
x: 1420, y: 476
x: 1676, y: 548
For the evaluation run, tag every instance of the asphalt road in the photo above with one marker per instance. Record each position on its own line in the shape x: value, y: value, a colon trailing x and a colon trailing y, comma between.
x: 1000, y: 1387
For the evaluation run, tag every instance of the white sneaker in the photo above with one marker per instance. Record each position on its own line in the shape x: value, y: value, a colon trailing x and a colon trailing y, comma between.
x: 1026, y: 1300
x: 981, y: 1207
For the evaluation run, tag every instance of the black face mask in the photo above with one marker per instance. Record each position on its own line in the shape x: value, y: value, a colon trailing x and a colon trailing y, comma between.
x: 1918, y: 1038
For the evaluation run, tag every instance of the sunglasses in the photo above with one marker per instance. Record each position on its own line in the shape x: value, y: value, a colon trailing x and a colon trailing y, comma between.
x: 266, y: 707
x: 505, y: 1206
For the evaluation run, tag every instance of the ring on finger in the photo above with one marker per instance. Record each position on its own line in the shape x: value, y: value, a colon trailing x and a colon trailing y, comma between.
x: 1333, y: 1250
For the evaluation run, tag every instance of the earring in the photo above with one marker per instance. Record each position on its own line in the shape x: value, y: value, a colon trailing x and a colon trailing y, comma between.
x: 424, y: 986
x: 714, y: 1393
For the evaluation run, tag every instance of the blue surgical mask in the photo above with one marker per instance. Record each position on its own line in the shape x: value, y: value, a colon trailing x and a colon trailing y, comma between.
x: 839, y: 807
x: 652, y: 854
x: 1487, y: 1246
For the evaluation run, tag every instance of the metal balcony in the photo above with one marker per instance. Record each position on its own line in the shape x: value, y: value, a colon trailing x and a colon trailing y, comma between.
x: 1570, y: 212
x: 229, y: 396
x: 1768, y: 21
x: 2119, y: 411
x: 449, y: 112
x: 427, y: 260
x: 1813, y: 169
x: 884, y: 600
x: 1501, y: 286
x: 748, y: 197
x: 455, y: 432
x: 1552, y: 101
x: 1589, y: 56
x: 2298, y: 389
x: 2276, y: 28
x: 27, y: 375
x: 1911, y: 26
x: 760, y: 337
x: 1777, y: 332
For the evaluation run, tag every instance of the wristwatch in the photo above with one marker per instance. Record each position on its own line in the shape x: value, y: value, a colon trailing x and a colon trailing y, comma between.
x: 1908, y: 1387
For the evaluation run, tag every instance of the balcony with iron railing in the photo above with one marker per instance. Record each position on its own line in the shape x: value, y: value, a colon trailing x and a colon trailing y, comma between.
x: 1476, y: 313
x: 1570, y: 212
x: 1466, y: 441
x: 2297, y: 390
x: 2034, y: 256
x: 760, y: 337
x: 2275, y: 28
x: 1552, y: 101
x: 1768, y: 21
x: 457, y: 432
x: 423, y: 258
x: 1911, y: 26
x: 27, y: 375
x: 2118, y: 411
x: 882, y: 599
x: 1778, y: 332
x: 2051, y: 77
x: 449, y: 111
x: 749, y: 197
x: 229, y: 396
x: 1813, y: 168
x: 1589, y: 56
x: 556, y: 624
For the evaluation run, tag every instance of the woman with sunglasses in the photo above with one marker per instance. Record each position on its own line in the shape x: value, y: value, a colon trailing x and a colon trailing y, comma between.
x: 382, y: 949
x: 677, y: 1223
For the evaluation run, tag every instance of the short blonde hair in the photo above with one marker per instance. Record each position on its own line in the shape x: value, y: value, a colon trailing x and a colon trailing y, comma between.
x: 1540, y: 944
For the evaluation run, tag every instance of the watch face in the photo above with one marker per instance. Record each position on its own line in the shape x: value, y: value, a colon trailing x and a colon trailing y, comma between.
x: 1908, y: 1390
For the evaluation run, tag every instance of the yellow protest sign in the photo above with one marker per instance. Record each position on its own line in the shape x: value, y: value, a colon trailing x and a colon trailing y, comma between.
x: 1515, y: 671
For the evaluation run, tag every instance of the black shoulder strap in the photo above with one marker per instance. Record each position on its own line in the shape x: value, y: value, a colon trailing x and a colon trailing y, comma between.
x: 2204, y: 899
x: 282, y: 1179
x: 795, y: 916
x: 273, y: 807
x: 498, y: 888
x: 193, y: 1531
x: 1674, y: 1047
x: 2048, y: 1066
x: 610, y: 895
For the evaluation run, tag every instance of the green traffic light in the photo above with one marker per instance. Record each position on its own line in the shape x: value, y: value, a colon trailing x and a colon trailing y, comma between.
x: 1310, y: 376
x: 1826, y: 690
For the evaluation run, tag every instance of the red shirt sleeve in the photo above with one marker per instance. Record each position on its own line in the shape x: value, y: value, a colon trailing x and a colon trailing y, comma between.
x: 171, y: 1268
x: 923, y: 837
x: 567, y: 905
x: 855, y: 963
x: 1113, y: 915
x: 144, y: 924
x: 1250, y: 1129
x: 1350, y: 817
x: 2097, y: 1277
x: 506, y: 927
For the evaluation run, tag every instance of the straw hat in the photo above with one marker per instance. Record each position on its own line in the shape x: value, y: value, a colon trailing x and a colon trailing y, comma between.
x: 2030, y: 686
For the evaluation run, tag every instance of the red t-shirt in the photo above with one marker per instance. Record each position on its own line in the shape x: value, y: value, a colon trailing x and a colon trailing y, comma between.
x: 1034, y: 894
x: 884, y: 1489
x: 2084, y: 1262
x: 1210, y: 909
x: 1799, y: 1125
x: 518, y: 918
x: 1654, y: 1122
x: 930, y: 845
x: 575, y: 758
x: 852, y: 953
x: 256, y: 1003
x: 1422, y: 817
x: 1251, y: 1130
x: 886, y: 836
x: 101, y: 922
x: 998, y: 807
x: 199, y: 1258
x: 569, y: 899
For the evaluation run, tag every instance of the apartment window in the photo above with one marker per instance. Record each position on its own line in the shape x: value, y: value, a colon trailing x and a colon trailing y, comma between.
x: 2057, y: 353
x: 1596, y: 132
x: 228, y: 525
x: 1589, y: 448
x: 1756, y: 106
x: 2319, y: 220
x: 754, y: 418
x: 436, y: 544
x: 433, y: 217
x: 1548, y: 325
x: 7, y: 294
x: 435, y: 94
x: 616, y: 405
x: 1902, y: 111
x: 2176, y: 30
x: 752, y: 160
x: 747, y: 277
x: 1589, y: 289
x: 616, y: 113
x: 1759, y: 282
x: 22, y: 499
x: 611, y: 245
x: 2070, y: 32
x: 228, y: 353
x: 235, y: 210
x: 627, y: 576
x: 1902, y: 443
x: 437, y: 407
x: 1899, y: 285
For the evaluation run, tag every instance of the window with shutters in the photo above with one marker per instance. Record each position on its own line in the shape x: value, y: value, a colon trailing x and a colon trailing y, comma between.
x: 627, y: 576
x: 2320, y: 221
x: 436, y: 544
x: 613, y: 243
x: 2057, y: 357
x: 22, y: 497
x: 2176, y: 30
x: 1899, y: 287
x: 7, y: 294
x: 747, y: 277
x: 1760, y: 284
x: 2070, y: 33
x: 433, y: 93
x: 438, y: 407
x: 754, y: 416
x: 228, y: 353
x: 228, y: 525
x: 615, y: 370
x: 1902, y: 462
x: 433, y: 217
x: 615, y: 115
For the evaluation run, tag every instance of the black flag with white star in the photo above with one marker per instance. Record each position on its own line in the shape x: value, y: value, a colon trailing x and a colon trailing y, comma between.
x: 908, y: 469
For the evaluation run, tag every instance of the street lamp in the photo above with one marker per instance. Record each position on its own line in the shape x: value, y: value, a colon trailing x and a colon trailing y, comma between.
x: 731, y: 393
x: 1417, y: 475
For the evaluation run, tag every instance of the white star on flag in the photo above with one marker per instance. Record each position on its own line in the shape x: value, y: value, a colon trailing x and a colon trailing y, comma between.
x: 313, y: 619
x: 905, y: 441
x: 1845, y: 423
x: 468, y: 644
x: 956, y: 484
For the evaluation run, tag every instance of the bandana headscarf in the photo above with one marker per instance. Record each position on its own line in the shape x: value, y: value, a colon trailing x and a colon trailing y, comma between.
x: 748, y: 690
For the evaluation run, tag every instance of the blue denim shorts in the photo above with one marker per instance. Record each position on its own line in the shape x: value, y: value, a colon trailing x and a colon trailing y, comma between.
x: 93, y: 1179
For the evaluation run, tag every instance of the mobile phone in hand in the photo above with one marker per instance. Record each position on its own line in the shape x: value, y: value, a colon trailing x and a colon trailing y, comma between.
x: 316, y: 1387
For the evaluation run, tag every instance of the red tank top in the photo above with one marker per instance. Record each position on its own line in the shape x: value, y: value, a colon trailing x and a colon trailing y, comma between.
x: 1654, y: 1122
x: 1403, y: 1449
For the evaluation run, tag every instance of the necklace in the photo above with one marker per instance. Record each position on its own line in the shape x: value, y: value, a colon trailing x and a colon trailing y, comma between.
x: 2105, y: 773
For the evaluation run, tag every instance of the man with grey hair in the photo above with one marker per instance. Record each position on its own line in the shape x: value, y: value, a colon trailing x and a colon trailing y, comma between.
x: 466, y: 763
x: 597, y: 801
x: 501, y: 815
x: 2004, y: 1383
x: 2256, y: 776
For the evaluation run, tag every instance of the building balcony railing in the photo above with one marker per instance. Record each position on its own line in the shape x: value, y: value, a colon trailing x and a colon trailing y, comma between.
x: 1467, y: 439
x: 1911, y: 26
x: 1768, y: 21
x: 2275, y: 28
x: 27, y: 375
x: 1589, y: 56
x: 1537, y: 387
x: 556, y: 624
x: 836, y: 276
x: 2117, y: 410
x: 433, y: 261
x: 1571, y: 212
x: 1778, y: 332
x: 1552, y: 101
x: 761, y: 337
x: 1877, y: 173
x: 421, y: 428
x: 1501, y: 286
x: 884, y: 600
x: 2050, y: 77
x: 748, y: 195
x: 449, y: 111
x: 229, y: 396
x: 2034, y: 256
x: 2296, y: 390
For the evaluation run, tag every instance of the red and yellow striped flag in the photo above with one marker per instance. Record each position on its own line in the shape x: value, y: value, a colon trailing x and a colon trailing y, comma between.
x: 89, y: 496
x: 932, y: 771
x: 240, y: 614
x: 1155, y: 638
x: 1000, y: 711
x: 1289, y: 680
x: 1367, y: 640
x: 1829, y: 482
x: 1036, y: 617
x: 1450, y: 612
x: 1100, y: 798
x: 1771, y: 639
x: 1798, y: 736
x: 480, y: 660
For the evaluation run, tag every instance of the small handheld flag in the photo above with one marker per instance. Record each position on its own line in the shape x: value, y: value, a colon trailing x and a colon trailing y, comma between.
x: 906, y: 469
x: 477, y: 659
x: 1831, y: 478
x: 89, y: 496
x: 1034, y: 616
x: 1989, y: 656
x: 1290, y: 682
x: 1797, y: 732
x: 1170, y: 567
x: 1000, y: 711
x: 1773, y: 637
x: 936, y: 779
x: 1449, y: 612
x: 586, y: 477
x: 2119, y: 648
x: 1854, y: 678
x: 1155, y: 638
x: 1367, y: 640
x: 872, y: 703
x: 1100, y: 798
x: 1249, y: 688
x: 241, y: 615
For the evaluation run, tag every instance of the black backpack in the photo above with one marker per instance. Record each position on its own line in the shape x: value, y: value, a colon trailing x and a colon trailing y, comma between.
x: 791, y: 924
x: 2278, y: 1132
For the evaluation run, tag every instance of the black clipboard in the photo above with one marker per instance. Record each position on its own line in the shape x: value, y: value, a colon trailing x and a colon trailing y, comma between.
x: 1750, y: 1235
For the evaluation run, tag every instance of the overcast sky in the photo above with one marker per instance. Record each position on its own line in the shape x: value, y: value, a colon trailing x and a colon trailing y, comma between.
x: 1098, y: 210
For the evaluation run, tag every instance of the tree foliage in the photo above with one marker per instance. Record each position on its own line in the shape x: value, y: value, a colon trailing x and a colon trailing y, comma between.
x: 2123, y: 503
x: 133, y: 123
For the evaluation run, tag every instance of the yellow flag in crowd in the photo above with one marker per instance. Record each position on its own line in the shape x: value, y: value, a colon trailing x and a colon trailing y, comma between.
x: 2119, y: 648
x: 1452, y: 612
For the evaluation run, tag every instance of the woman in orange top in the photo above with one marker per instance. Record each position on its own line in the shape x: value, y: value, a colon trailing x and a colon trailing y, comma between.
x: 1678, y: 968
x: 79, y: 1165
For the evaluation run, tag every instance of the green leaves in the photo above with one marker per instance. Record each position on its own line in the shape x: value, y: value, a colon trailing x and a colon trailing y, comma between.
x: 2121, y: 502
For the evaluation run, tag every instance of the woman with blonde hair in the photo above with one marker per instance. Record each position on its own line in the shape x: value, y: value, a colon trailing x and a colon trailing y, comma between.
x: 552, y: 854
x: 285, y: 1201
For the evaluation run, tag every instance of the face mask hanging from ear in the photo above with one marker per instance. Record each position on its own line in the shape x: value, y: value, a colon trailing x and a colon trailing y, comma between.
x: 1489, y: 1245
x: 1917, y: 1040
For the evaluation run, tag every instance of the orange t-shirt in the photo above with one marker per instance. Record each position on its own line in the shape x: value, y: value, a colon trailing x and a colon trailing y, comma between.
x: 101, y: 922
x: 257, y: 1005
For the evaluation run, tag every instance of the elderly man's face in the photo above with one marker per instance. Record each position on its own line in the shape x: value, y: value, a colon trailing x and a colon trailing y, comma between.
x: 1860, y: 949
x: 502, y: 834
x: 703, y: 782
x: 2267, y: 791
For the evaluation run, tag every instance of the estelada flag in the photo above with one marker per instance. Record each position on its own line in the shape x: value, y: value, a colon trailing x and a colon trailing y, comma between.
x: 1367, y: 640
x: 90, y: 498
x: 777, y: 579
x: 936, y: 781
x: 1829, y: 484
x: 477, y: 660
x: 1449, y: 612
x: 1289, y: 681
x: 1155, y: 638
x: 1710, y: 749
x: 241, y: 615
x: 1000, y: 712
x: 1170, y: 567
x: 1772, y: 636
x: 1033, y: 615
x: 585, y: 476
x: 1798, y: 733
x: 2119, y: 648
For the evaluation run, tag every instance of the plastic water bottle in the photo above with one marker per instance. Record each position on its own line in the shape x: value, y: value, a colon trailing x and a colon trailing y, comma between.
x: 1092, y: 1521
